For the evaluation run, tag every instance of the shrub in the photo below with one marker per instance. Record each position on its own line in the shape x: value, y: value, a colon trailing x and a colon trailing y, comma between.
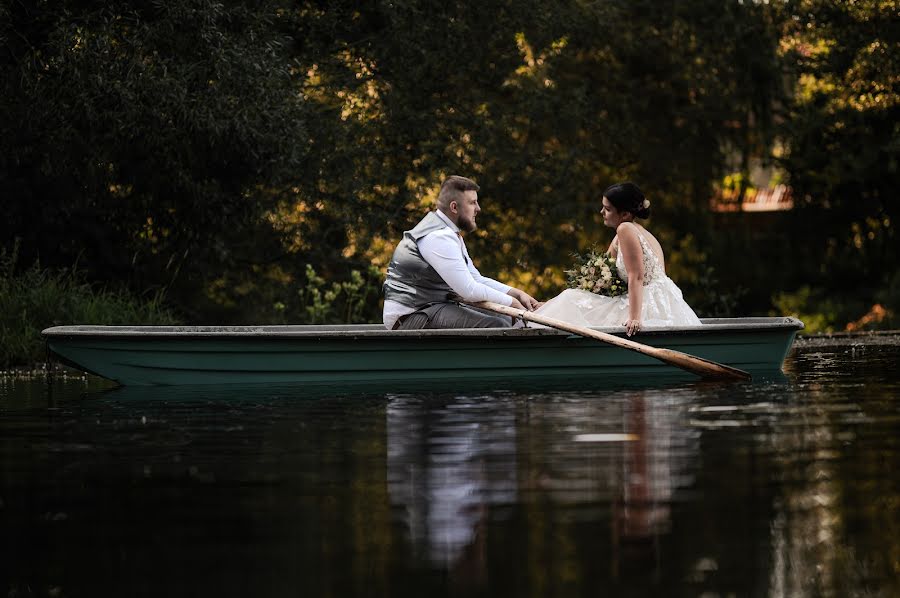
x: 351, y: 301
x: 819, y: 309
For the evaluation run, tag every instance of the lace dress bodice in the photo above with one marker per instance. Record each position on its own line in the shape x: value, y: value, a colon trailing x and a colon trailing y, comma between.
x: 653, y: 270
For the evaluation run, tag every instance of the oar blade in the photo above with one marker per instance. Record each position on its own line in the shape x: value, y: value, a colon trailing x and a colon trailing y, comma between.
x: 703, y: 367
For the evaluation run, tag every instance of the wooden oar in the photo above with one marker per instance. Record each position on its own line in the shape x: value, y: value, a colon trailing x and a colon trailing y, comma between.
x: 696, y: 365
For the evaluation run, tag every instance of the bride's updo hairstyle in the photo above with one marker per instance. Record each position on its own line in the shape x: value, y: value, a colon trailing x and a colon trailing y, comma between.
x: 627, y: 197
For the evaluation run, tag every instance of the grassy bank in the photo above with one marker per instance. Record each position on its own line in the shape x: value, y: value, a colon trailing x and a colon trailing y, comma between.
x: 35, y: 298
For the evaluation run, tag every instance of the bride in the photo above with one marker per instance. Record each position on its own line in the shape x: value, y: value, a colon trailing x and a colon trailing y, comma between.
x: 652, y: 298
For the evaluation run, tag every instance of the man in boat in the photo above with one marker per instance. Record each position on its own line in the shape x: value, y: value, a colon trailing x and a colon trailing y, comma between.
x: 431, y: 268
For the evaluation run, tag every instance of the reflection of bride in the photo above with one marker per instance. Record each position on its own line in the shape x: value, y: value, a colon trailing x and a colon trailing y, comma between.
x: 652, y: 298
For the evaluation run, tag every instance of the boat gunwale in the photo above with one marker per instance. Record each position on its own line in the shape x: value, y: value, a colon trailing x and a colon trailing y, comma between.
x: 354, y: 331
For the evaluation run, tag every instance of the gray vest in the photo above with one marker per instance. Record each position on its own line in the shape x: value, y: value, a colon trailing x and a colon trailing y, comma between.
x: 410, y: 279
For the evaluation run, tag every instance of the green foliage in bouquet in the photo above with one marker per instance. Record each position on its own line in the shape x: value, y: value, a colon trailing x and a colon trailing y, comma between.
x: 596, y: 272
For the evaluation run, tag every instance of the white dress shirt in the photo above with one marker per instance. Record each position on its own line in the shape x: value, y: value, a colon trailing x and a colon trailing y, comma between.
x: 445, y: 251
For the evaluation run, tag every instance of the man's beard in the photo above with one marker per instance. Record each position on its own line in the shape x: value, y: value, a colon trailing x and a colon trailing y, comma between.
x: 466, y: 224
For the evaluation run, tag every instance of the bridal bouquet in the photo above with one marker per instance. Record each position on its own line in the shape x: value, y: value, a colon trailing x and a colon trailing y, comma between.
x: 596, y: 272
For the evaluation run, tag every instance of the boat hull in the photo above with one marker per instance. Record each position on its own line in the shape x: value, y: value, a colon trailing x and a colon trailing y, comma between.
x: 368, y: 353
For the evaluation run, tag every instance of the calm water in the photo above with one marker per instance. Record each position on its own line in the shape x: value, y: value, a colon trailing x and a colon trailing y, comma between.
x: 782, y: 487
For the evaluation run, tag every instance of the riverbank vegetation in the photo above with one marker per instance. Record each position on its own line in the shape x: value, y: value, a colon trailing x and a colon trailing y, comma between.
x: 35, y: 298
x: 216, y: 150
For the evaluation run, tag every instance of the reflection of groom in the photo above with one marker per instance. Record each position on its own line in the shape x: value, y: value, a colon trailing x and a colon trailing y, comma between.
x: 431, y: 263
x: 444, y: 492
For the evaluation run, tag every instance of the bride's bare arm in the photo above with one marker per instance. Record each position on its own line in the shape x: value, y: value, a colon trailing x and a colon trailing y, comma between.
x: 630, y: 246
x: 613, y: 250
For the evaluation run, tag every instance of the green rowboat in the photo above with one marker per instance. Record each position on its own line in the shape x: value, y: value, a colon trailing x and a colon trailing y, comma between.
x: 367, y: 353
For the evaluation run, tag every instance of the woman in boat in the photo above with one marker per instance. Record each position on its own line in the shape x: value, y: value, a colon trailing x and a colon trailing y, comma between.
x: 652, y: 298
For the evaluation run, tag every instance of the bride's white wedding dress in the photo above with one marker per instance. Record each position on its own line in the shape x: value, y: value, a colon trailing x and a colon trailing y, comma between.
x: 663, y: 302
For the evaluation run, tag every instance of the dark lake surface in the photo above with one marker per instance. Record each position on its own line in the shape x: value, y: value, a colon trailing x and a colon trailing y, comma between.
x: 787, y: 486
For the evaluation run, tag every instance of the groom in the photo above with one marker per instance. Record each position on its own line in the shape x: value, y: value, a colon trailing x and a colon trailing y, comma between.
x: 431, y: 264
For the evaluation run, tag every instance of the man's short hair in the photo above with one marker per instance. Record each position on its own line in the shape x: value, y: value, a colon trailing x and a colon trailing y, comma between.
x: 454, y: 188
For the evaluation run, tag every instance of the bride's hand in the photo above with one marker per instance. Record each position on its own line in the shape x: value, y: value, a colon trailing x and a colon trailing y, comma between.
x: 632, y: 327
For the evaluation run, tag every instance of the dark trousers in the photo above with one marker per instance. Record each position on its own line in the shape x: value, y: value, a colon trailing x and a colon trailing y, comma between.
x: 451, y: 315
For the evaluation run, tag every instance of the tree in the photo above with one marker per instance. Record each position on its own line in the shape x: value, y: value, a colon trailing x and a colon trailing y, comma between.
x: 843, y: 135
x: 216, y: 150
x: 147, y: 140
x: 544, y: 105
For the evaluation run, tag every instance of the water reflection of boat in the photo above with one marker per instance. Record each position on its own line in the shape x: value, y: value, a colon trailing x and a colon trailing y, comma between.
x: 225, y: 393
x: 456, y: 465
x: 368, y: 353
